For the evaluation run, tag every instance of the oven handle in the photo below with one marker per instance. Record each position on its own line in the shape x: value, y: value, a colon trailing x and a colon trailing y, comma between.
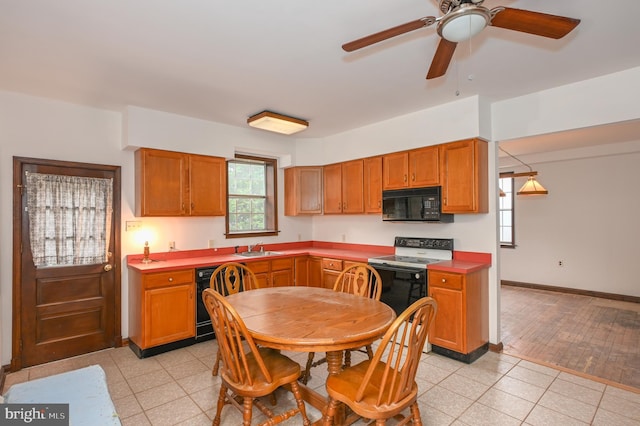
x: 386, y: 267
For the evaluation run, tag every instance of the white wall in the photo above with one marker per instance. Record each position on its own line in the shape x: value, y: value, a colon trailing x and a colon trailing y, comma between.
x: 34, y: 127
x: 596, y: 241
x: 589, y: 221
x: 39, y: 128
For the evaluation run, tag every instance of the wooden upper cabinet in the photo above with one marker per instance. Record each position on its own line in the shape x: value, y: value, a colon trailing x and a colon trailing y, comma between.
x: 395, y: 170
x: 353, y: 186
x: 302, y: 191
x: 373, y: 185
x: 161, y: 179
x: 208, y: 186
x: 464, y: 175
x: 411, y: 169
x: 343, y: 187
x: 177, y: 184
x: 424, y: 167
x: 332, y: 184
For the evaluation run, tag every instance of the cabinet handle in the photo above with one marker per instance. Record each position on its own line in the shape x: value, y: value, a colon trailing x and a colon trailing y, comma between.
x: 413, y: 177
x: 379, y: 203
x: 405, y: 178
x: 444, y: 280
x: 170, y: 279
x: 193, y: 206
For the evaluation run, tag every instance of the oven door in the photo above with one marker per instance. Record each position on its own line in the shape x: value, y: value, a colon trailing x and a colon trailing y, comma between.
x: 401, y: 286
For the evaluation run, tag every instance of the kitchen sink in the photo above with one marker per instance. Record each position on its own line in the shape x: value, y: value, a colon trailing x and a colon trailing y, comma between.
x: 259, y: 253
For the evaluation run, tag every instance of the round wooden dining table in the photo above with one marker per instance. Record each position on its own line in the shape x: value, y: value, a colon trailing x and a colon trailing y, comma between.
x: 312, y: 319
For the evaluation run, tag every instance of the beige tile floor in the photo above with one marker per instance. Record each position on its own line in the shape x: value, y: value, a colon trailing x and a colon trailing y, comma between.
x: 498, y: 389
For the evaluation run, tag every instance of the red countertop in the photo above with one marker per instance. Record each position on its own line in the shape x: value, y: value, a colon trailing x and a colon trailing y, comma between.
x: 463, y: 262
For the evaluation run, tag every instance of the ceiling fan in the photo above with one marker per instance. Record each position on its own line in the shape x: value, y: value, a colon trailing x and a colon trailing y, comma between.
x: 463, y: 19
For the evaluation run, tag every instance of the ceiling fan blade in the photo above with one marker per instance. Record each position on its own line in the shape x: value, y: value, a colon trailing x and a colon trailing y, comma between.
x: 389, y: 33
x: 441, y: 59
x: 536, y: 23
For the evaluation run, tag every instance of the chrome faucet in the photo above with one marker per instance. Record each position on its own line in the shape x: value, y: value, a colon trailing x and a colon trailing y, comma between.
x: 250, y: 247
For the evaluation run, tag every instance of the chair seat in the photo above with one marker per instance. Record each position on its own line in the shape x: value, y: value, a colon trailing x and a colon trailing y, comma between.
x: 283, y: 370
x: 343, y: 387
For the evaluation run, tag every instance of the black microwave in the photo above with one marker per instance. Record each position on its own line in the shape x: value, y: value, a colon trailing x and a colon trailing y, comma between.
x: 414, y: 205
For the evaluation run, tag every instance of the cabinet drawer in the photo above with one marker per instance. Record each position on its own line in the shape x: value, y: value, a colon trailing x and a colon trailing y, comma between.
x: 332, y: 264
x: 280, y: 264
x: 162, y: 279
x: 259, y: 267
x: 445, y: 280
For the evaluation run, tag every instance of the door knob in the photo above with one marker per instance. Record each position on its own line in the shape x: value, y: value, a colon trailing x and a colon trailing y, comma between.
x: 108, y: 267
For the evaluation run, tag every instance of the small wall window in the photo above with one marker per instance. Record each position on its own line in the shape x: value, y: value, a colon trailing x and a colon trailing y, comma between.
x: 251, y: 200
x: 507, y: 233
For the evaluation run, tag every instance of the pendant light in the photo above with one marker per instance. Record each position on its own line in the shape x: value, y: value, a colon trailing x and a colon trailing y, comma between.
x: 531, y: 186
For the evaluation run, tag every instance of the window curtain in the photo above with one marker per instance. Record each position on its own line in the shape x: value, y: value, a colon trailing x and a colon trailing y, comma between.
x: 69, y: 219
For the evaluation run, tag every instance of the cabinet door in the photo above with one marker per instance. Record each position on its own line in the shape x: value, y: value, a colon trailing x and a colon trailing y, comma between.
x: 395, y: 170
x: 447, y: 325
x: 329, y: 278
x: 261, y: 270
x: 332, y: 188
x: 302, y: 191
x: 301, y: 271
x: 353, y: 186
x: 315, y: 272
x: 464, y: 177
x: 282, y: 278
x: 207, y: 186
x: 169, y: 314
x: 424, y: 167
x: 373, y: 185
x: 161, y: 182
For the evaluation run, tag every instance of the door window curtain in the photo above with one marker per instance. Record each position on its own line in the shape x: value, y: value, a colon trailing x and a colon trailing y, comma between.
x: 69, y: 219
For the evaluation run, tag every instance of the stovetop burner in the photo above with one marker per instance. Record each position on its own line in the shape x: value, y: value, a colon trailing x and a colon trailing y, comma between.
x: 417, y: 252
x: 407, y: 259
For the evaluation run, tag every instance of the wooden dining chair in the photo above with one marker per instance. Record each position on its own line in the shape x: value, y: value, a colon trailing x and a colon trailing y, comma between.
x: 360, y: 279
x: 383, y: 387
x: 230, y: 278
x: 249, y: 371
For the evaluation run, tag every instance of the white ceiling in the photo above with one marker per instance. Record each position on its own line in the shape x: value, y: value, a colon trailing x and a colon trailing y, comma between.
x: 226, y: 60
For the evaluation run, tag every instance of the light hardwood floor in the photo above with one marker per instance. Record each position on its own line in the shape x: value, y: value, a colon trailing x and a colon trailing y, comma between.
x: 589, y: 335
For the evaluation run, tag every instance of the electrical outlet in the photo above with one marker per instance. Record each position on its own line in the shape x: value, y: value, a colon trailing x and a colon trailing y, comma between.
x: 299, y: 237
x: 172, y: 245
x: 133, y: 225
x: 212, y: 243
x: 344, y: 237
x: 560, y: 262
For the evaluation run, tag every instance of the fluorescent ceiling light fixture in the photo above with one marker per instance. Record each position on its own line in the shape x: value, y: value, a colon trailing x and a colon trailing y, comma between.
x: 464, y: 22
x: 274, y: 122
x: 531, y: 186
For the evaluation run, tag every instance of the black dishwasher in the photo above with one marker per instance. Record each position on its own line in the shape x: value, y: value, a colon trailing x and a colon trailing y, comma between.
x: 204, y: 330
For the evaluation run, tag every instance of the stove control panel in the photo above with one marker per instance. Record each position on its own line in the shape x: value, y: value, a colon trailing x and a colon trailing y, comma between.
x: 425, y: 243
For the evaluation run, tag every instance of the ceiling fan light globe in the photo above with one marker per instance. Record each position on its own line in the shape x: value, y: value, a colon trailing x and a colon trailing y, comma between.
x: 464, y: 23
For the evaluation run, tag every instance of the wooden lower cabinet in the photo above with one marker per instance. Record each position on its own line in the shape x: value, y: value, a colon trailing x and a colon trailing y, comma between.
x: 461, y: 327
x: 273, y: 273
x: 308, y: 271
x: 161, y: 308
x: 331, y: 268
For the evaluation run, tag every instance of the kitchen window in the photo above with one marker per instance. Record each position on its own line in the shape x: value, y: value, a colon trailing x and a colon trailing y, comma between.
x: 507, y: 234
x: 251, y: 199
